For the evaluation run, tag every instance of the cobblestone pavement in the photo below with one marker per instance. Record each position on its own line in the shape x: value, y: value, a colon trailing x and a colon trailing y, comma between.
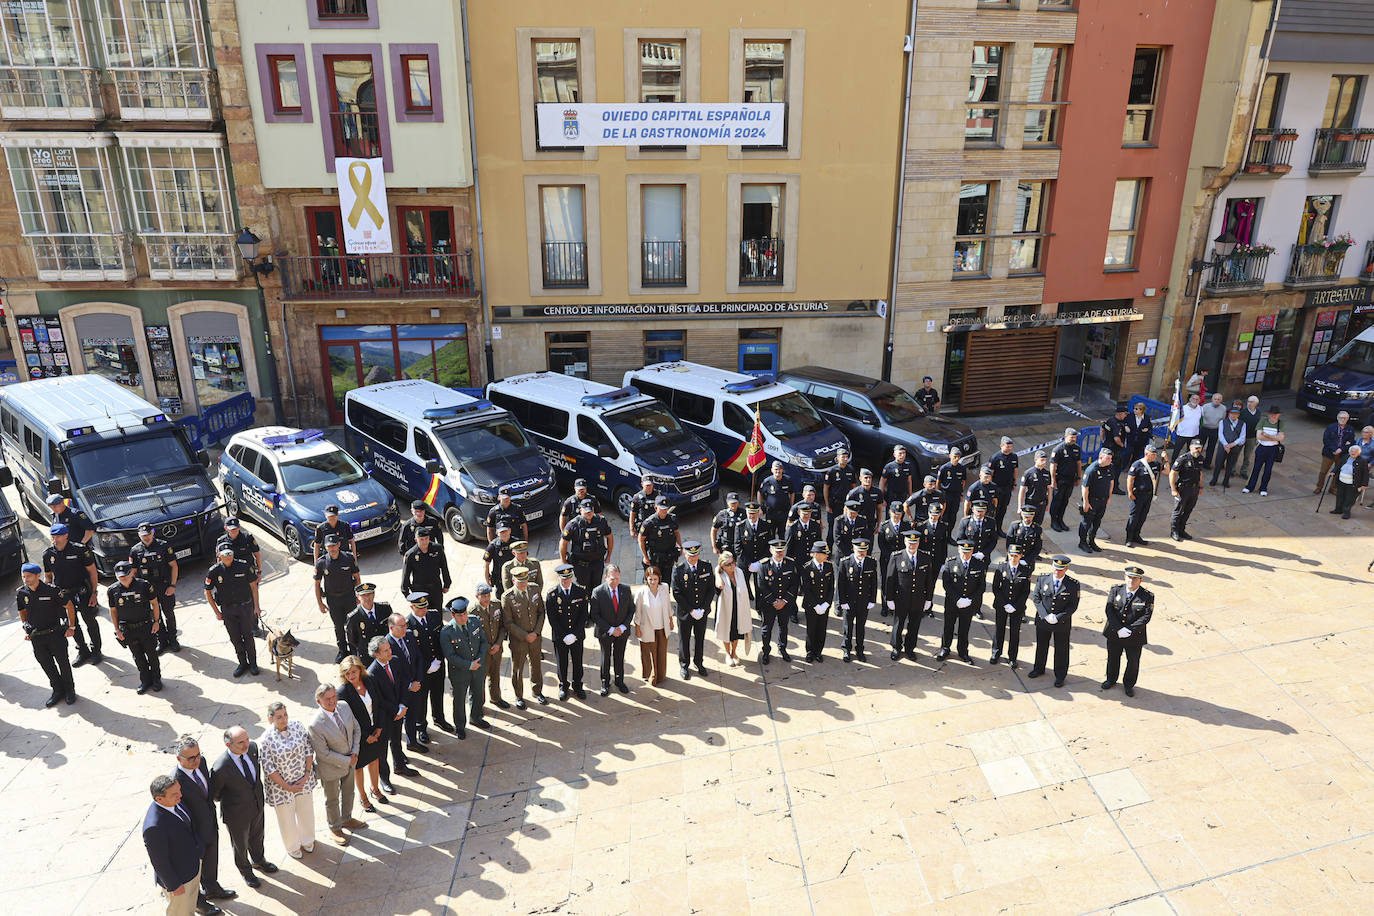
x: 1238, y: 779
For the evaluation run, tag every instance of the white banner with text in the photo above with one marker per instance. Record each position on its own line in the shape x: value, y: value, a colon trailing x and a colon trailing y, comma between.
x: 661, y: 124
x: 362, y: 202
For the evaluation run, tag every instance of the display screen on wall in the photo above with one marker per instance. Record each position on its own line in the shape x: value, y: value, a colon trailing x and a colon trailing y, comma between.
x: 164, y: 367
x: 43, y: 346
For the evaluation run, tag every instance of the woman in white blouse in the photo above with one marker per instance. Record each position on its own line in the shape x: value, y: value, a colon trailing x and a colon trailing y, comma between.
x: 653, y: 623
x: 288, y: 765
x: 733, y: 613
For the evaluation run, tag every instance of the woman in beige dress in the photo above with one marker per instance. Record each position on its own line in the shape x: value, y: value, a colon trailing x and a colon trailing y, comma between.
x: 653, y: 623
x: 733, y: 608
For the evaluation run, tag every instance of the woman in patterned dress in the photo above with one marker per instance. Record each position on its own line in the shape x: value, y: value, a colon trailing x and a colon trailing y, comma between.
x: 288, y: 763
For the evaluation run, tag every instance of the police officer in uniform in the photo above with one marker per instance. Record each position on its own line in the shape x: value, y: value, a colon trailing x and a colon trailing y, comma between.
x: 856, y: 592
x: 838, y: 481
x: 1065, y: 468
x: 641, y: 507
x: 751, y: 542
x: 904, y: 594
x: 566, y: 606
x: 1036, y: 485
x: 869, y: 498
x: 1129, y: 609
x: 420, y: 517
x: 776, y: 495
x: 336, y: 575
x: 801, y: 534
x: 508, y: 513
x: 964, y: 579
x: 587, y: 542
x: 156, y: 563
x: 367, y: 620
x: 77, y: 522
x: 1056, y: 598
x: 889, y: 539
x: 134, y: 613
x: 1029, y: 536
x: 660, y: 543
x: 775, y: 595
x: 935, y: 547
x: 918, y: 504
x: 817, y: 595
x: 521, y: 551
x: 70, y: 566
x: 423, y: 624
x: 899, y: 475
x: 572, y: 506
x: 425, y: 568
x: 981, y: 489
x: 810, y: 498
x: 1185, y: 480
x: 1116, y: 435
x: 1097, y: 496
x: 980, y: 531
x: 847, y: 527
x: 523, y: 609
x: 1005, y: 465
x: 723, y: 525
x: 1142, y: 482
x: 464, y: 646
x: 245, y: 548
x: 231, y: 590
x: 694, y: 588
x: 1011, y: 586
x: 928, y: 396
x: 952, y: 478
x: 499, y: 553
x: 46, y: 613
x: 332, y: 527
x: 494, y: 625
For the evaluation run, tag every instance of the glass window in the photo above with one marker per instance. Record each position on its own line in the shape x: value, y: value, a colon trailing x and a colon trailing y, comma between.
x: 1342, y: 101
x: 1318, y: 218
x: 46, y: 34
x: 419, y: 91
x: 68, y: 207
x: 428, y: 230
x: 1121, y: 231
x: 984, y: 94
x: 895, y: 405
x: 156, y: 456
x: 855, y: 407
x: 1044, y: 96
x: 822, y: 397
x: 1242, y: 218
x: 1028, y: 227
x: 591, y: 433
x: 663, y: 346
x: 353, y: 107
x: 564, y: 246
x: 500, y: 438
x: 286, y: 86
x: 761, y: 221
x: 1141, y: 98
x: 693, y: 408
x: 180, y: 199
x: 217, y: 356
x: 342, y: 9
x: 424, y: 447
x: 548, y: 421
x: 569, y: 352
x: 107, y: 348
x: 555, y: 75
x: 662, y: 261
x: 789, y: 415
x: 645, y: 426
x: 765, y: 76
x: 162, y: 34
x: 660, y: 70
x: 971, y: 229
x: 737, y: 420
x: 1271, y: 101
x: 327, y: 469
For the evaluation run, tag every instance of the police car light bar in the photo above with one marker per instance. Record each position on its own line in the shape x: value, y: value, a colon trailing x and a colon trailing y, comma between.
x: 610, y: 397
x: 456, y: 410
x: 753, y: 384
x: 300, y: 438
x: 155, y: 418
x: 80, y: 431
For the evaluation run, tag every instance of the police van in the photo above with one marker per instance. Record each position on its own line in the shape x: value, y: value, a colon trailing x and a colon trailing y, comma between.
x: 425, y: 441
x: 613, y: 437
x: 1344, y: 382
x: 115, y: 457
x: 720, y: 406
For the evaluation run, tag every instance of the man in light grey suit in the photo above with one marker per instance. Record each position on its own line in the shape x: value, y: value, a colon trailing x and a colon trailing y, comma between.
x: 334, y: 736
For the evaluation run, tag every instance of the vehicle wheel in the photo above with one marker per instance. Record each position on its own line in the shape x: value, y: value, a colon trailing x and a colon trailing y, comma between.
x: 458, y: 528
x: 292, y: 537
x: 231, y: 504
x: 623, y: 498
x: 29, y: 509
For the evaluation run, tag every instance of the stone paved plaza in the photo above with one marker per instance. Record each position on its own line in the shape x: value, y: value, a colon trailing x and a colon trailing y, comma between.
x: 1239, y: 779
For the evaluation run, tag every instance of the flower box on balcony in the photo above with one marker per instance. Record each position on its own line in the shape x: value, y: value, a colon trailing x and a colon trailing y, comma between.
x: 1286, y: 135
x: 1365, y: 134
x: 1281, y: 168
x: 1344, y: 135
x: 1256, y: 168
x: 1262, y: 135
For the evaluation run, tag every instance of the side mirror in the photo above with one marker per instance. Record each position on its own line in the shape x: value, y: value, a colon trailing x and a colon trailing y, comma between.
x: 55, y: 485
x: 433, y: 467
x: 869, y: 419
x: 368, y: 468
x: 203, y: 457
x: 6, y: 477
x: 607, y: 451
x: 270, y: 489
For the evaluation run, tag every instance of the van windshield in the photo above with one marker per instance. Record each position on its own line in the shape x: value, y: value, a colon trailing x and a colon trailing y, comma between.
x: 320, y: 472
x: 895, y: 405
x: 644, y: 427
x: 149, y: 456
x: 789, y: 415
x: 1357, y: 356
x: 494, y: 440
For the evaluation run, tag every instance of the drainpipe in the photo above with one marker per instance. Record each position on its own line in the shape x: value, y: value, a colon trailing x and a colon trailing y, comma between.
x: 890, y: 330
x: 477, y: 195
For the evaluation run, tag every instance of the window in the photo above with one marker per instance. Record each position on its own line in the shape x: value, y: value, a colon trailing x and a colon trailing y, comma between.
x: 971, y: 230
x: 736, y: 420
x: 419, y: 95
x: 663, y: 256
x: 855, y: 407
x: 569, y: 352
x: 548, y: 421
x: 824, y: 398
x: 285, y: 82
x: 353, y: 107
x: 1318, y: 218
x: 984, y: 95
x: 157, y: 56
x: 107, y: 348
x: 424, y: 446
x: 341, y: 9
x: 660, y: 74
x: 1271, y: 101
x: 1028, y: 227
x: 33, y: 443
x: 217, y: 354
x: 556, y: 77
x: 47, y: 40
x: 428, y: 230
x: 1043, y: 99
x: 9, y: 423
x: 563, y: 233
x: 1142, y: 97
x: 1342, y: 101
x: 765, y: 77
x: 761, y: 242
x: 368, y: 354
x: 266, y: 471
x: 693, y: 408
x: 592, y: 435
x: 1017, y: 312
x: 1125, y: 218
x: 663, y: 346
x: 180, y: 210
x: 70, y: 212
x: 1241, y: 218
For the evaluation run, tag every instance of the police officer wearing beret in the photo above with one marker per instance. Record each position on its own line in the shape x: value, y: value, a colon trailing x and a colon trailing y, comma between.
x: 420, y: 517
x: 572, y: 506
x: 332, y: 527
x: 1065, y: 468
x: 775, y: 593
x: 981, y: 489
x: 587, y: 542
x: 1142, y: 482
x: 231, y: 590
x: 70, y: 565
x: 1056, y: 598
x: 1129, y: 609
x: 918, y: 504
x: 964, y: 579
x: 660, y: 543
x: 336, y: 575
x: 245, y: 548
x: 904, y: 594
x: 1035, y: 488
x: 507, y: 513
x: 810, y: 498
x: 78, y: 523
x: 463, y: 644
x: 156, y: 563
x: 856, y: 592
x: 367, y: 619
x: 566, y: 606
x: 136, y: 618
x: 1011, y: 586
x: 46, y: 614
x: 723, y: 525
x: 817, y: 596
x: 1005, y: 465
x: 694, y: 589
x: 499, y: 554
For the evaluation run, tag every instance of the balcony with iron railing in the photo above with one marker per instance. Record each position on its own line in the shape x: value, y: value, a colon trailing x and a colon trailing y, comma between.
x: 1315, y: 265
x: 760, y: 262
x: 565, y: 265
x: 82, y: 257
x: 1242, y: 271
x: 377, y: 276
x: 1270, y: 151
x: 1367, y: 268
x: 663, y: 263
x: 1340, y: 149
x: 357, y: 134
x: 151, y: 94
x: 336, y: 10
x: 191, y: 257
x: 50, y: 94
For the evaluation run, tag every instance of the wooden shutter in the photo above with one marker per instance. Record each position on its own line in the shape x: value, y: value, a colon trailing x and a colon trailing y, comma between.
x: 1009, y: 370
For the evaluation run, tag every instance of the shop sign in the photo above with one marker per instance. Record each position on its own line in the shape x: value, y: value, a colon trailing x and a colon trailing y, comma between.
x: 1265, y: 322
x: 1339, y: 295
x: 586, y: 124
x: 853, y: 308
x: 1093, y: 316
x: 44, y: 348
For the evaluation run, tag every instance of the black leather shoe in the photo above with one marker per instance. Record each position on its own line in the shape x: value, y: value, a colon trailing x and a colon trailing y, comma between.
x: 388, y: 788
x: 1083, y: 547
x: 562, y: 693
x: 1176, y: 537
x: 942, y: 655
x: 1035, y: 672
x: 422, y: 736
x: 53, y: 701
x: 240, y: 671
x: 406, y: 771
x: 884, y: 613
x: 142, y: 689
x: 1130, y: 691
x: 519, y: 702
x: 861, y: 655
x: 251, y: 879
x: 1013, y: 665
x: 265, y: 867
x: 1108, y: 685
x: 71, y: 698
x: 502, y: 704
x: 782, y: 654
x: 1059, y: 683
x: 208, y: 909
x: 911, y: 655
x: 462, y: 734
x: 764, y: 659
x: 686, y: 673
x: 966, y: 658
x: 577, y: 692
x: 416, y: 746
x: 220, y: 893
x: 482, y: 723
x: 605, y: 691
x: 1187, y: 536
x: 157, y: 686
x: 819, y: 658
x: 446, y: 726
x: 810, y: 657
x: 996, y: 657
x: 81, y: 659
x: 894, y: 655
x: 96, y: 657
x: 620, y: 685
x: 847, y: 657
x: 543, y: 700
x: 1093, y: 546
x: 253, y: 669
x: 701, y: 670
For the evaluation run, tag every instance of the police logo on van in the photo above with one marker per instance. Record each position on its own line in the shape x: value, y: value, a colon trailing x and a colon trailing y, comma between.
x: 347, y: 496
x: 389, y: 465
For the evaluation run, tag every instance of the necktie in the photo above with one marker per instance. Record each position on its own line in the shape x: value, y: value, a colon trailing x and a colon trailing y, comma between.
x: 246, y: 767
x: 1057, y: 583
x: 200, y: 781
x: 405, y: 650
x: 389, y: 675
x: 615, y: 600
x: 339, y: 722
x: 181, y: 814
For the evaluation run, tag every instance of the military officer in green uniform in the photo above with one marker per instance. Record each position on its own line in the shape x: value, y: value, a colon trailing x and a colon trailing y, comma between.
x: 523, y: 608
x: 464, y: 644
x: 488, y: 614
x: 521, y: 551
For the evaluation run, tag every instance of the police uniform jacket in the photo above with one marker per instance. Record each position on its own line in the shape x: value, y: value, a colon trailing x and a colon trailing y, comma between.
x: 845, y: 530
x: 775, y: 495
x: 724, y: 527
x: 903, y: 583
x: 751, y: 542
x: 524, y: 613
x: 424, y: 567
x: 1011, y: 585
x: 901, y: 476
x: 775, y: 582
x: 133, y: 602
x: 406, y: 539
x: 934, y: 542
x: 918, y: 504
x: 1047, y: 601
x: 360, y: 629
x: 463, y: 645
x: 693, y: 587
x: 230, y: 584
x: 1029, y: 537
x: 335, y: 574
x: 962, y: 581
x: 70, y: 566
x: 587, y: 539
x: 1067, y: 460
x: 1143, y: 479
x: 244, y: 546
x: 985, y: 491
x: 840, y: 480
x: 1112, y: 429
x: 341, y: 530
x: 1133, y: 613
x: 1037, y: 484
x: 426, y: 634
x: 512, y: 515
x: 817, y: 584
x: 1189, y: 471
x: 493, y: 621
x: 869, y: 499
x: 1004, y: 468
x: 45, y: 607
x: 856, y: 583
x: 1098, y: 480
x: 660, y: 534
x: 890, y: 538
x: 568, y: 613
x: 641, y: 507
x: 800, y: 536
x: 536, y: 576
x: 154, y: 562
x: 982, y: 533
x: 572, y: 506
x: 78, y: 522
x: 951, y: 478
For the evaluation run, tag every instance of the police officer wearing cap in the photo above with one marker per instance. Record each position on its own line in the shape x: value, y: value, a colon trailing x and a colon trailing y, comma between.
x: 776, y: 496
x: 499, y: 553
x: 1005, y: 465
x: 569, y: 614
x: 723, y: 525
x: 694, y: 589
x: 463, y: 644
x: 660, y: 542
x: 46, y: 614
x: 1185, y: 480
x: 244, y: 545
x: 1142, y: 482
x: 1011, y: 587
x: 981, y: 489
x: 134, y: 613
x: 420, y: 517
x: 751, y: 542
x: 523, y: 609
x: 899, y: 476
x: 817, y: 577
x: 1036, y: 485
x: 1065, y: 469
x: 70, y: 565
x: 856, y: 592
x: 572, y: 506
x: 952, y: 478
x: 1097, y: 496
x: 1129, y: 608
x: 890, y: 538
x: 1056, y: 598
x: 775, y: 594
x: 847, y: 527
x: 521, y: 557
x: 231, y: 590
x: 488, y: 612
x: 839, y: 479
x: 1116, y: 435
x: 423, y: 623
x: 78, y: 523
x: 332, y: 527
x: 641, y: 507
x: 810, y: 498
x: 964, y: 579
x: 156, y: 563
x: 1027, y: 535
x: 980, y: 531
x: 869, y: 498
x: 367, y: 619
x: 336, y: 575
x: 802, y: 533
x: 508, y: 513
x: 425, y: 568
x: 905, y: 595
x: 933, y: 552
x: 586, y: 542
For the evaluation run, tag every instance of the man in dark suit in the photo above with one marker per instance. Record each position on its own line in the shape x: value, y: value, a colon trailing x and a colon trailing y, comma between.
x: 408, y: 661
x: 1129, y: 609
x: 1055, y: 598
x: 193, y: 774
x: 613, y: 610
x: 173, y: 847
x: 389, y: 705
x: 236, y: 785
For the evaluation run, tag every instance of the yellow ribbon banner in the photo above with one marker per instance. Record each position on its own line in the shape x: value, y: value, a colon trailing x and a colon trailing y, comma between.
x: 362, y: 203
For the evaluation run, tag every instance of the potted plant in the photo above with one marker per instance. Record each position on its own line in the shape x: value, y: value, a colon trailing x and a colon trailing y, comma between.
x: 1334, y: 244
x: 1254, y: 250
x: 1262, y: 134
x: 1280, y: 168
x: 1256, y: 168
x: 1344, y: 133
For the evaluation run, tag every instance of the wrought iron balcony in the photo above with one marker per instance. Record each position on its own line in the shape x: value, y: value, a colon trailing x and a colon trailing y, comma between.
x: 565, y: 265
x: 377, y: 276
x: 356, y: 134
x: 1314, y: 265
x: 50, y: 94
x: 760, y: 262
x: 663, y: 264
x: 148, y: 94
x: 1340, y: 149
x: 1271, y: 151
x: 191, y: 257
x: 82, y: 257
x: 1241, y: 272
x: 342, y: 9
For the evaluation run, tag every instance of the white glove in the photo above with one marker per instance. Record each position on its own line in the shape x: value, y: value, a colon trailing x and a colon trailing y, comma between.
x: 978, y: 555
x: 698, y: 613
x: 1052, y: 618
x: 871, y: 605
x: 1124, y: 632
x: 892, y: 605
x: 822, y: 607
x: 927, y: 607
x: 844, y: 607
x: 569, y: 639
x: 433, y: 666
x: 964, y: 602
x: 1009, y: 609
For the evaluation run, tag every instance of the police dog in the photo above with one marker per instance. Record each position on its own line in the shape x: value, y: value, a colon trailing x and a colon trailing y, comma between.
x: 283, y: 649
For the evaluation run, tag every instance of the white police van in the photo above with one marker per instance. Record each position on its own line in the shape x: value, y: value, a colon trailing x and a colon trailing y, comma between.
x: 720, y: 405
x: 612, y: 437
x: 425, y: 441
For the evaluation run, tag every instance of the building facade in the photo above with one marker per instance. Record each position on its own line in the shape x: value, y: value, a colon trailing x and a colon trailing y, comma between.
x: 603, y: 259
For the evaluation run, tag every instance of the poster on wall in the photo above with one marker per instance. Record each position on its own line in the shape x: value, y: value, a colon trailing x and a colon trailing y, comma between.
x: 41, y: 340
x: 362, y: 202
x: 164, y: 367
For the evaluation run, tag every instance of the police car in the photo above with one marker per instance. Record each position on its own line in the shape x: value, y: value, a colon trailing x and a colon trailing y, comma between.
x: 283, y: 478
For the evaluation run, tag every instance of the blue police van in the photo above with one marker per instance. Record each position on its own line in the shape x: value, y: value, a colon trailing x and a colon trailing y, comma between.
x: 1344, y: 382
x: 284, y: 478
x: 425, y: 441
x: 612, y: 437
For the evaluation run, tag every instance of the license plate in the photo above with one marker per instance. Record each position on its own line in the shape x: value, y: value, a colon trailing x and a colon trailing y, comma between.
x: 183, y: 553
x: 536, y: 514
x: 704, y: 494
x: 1315, y: 406
x: 371, y: 533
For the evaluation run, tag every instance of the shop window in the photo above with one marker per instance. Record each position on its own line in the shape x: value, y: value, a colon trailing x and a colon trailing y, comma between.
x: 556, y: 78
x: 761, y: 242
x: 663, y: 346
x: 563, y: 232
x: 984, y: 114
x: 107, y: 348
x: 438, y: 352
x: 1241, y: 218
x: 1327, y: 333
x: 284, y: 78
x: 1045, y: 97
x: 1318, y: 219
x: 956, y: 353
x: 971, y: 230
x: 1028, y: 227
x: 352, y: 94
x: 569, y: 352
x: 1124, y: 224
x: 765, y: 78
x: 217, y: 356
x: 180, y: 208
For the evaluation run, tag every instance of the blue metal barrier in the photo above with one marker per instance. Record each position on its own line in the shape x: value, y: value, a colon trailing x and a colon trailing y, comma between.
x: 220, y: 421
x: 1158, y: 412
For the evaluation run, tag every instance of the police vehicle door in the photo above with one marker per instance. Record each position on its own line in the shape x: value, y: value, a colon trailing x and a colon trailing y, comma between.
x: 254, y: 499
x: 426, y: 450
x: 265, y: 502
x: 602, y: 454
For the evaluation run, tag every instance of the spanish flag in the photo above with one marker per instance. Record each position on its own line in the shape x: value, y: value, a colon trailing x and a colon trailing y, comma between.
x: 749, y: 457
x: 433, y: 492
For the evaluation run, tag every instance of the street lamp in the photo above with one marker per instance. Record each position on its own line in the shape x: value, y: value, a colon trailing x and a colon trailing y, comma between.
x: 1222, y: 247
x: 248, y: 247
